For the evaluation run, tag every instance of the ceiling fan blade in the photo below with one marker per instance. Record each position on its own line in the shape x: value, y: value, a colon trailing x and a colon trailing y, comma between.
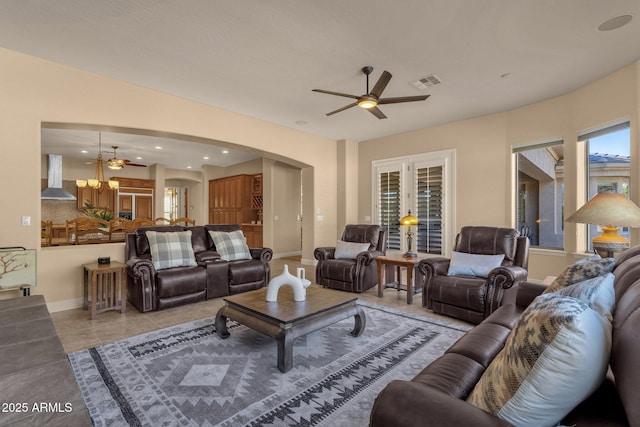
x: 376, y: 112
x: 135, y: 164
x: 381, y: 84
x: 328, y: 92
x: 402, y: 99
x: 343, y: 108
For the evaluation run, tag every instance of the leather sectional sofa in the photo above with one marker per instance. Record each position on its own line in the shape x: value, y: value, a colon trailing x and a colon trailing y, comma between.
x: 437, y: 395
x: 37, y: 385
x: 149, y: 289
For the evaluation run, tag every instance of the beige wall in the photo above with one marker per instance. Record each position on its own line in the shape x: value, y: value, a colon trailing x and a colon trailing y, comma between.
x: 284, y: 209
x: 485, y: 167
x: 35, y: 91
x: 347, y: 185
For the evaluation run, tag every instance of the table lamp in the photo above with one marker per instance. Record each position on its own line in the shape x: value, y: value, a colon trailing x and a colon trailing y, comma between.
x: 611, y: 209
x: 409, y: 221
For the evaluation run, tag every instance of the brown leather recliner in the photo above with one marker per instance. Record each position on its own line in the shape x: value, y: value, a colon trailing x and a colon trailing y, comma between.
x: 354, y: 275
x: 473, y: 298
x: 241, y: 275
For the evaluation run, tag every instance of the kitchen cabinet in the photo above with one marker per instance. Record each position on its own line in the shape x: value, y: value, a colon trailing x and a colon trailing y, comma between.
x: 230, y: 200
x: 135, y: 198
x: 103, y: 197
x: 253, y: 234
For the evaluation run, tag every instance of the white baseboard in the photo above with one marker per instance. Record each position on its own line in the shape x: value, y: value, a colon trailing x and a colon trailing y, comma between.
x: 68, y: 304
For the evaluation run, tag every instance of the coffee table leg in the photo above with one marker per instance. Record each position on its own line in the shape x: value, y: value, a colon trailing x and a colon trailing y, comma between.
x: 285, y: 350
x: 221, y: 324
x: 361, y: 322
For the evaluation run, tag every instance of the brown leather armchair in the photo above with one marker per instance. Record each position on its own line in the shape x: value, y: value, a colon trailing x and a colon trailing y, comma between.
x: 357, y: 274
x: 474, y: 298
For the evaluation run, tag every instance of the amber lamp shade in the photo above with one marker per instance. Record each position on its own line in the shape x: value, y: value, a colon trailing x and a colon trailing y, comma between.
x: 409, y: 221
x: 610, y: 211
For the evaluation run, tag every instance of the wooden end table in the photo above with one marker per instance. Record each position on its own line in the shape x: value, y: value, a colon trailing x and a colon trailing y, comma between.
x: 285, y: 319
x: 108, y: 289
x: 399, y: 262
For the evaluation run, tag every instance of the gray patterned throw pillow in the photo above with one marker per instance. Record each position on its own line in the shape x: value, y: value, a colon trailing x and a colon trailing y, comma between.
x: 171, y: 249
x: 230, y: 245
x: 587, y: 268
x: 556, y: 356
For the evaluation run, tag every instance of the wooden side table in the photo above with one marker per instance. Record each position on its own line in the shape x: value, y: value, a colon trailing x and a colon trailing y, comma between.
x: 399, y: 262
x: 108, y: 289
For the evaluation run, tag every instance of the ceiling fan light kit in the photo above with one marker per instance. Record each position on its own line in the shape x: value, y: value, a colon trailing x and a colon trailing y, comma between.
x: 370, y: 100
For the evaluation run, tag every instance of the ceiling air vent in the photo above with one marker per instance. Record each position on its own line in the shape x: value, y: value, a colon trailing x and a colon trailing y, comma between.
x: 427, y: 81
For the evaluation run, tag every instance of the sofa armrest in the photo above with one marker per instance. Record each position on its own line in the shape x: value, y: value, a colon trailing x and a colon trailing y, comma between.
x: 500, y: 280
x: 506, y: 277
x: 141, y: 284
x: 206, y: 257
x: 324, y: 253
x: 434, y: 266
x: 262, y: 254
x: 367, y: 257
x: 408, y: 404
x: 140, y: 268
x: 528, y: 291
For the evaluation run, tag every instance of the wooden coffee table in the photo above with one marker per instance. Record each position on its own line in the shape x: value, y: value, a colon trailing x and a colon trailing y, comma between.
x: 285, y: 320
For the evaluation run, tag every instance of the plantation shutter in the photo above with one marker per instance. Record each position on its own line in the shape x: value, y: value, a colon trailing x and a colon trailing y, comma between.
x: 389, y: 206
x: 429, y: 203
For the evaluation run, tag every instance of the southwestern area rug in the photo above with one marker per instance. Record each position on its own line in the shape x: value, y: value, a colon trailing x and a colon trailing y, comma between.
x: 186, y: 375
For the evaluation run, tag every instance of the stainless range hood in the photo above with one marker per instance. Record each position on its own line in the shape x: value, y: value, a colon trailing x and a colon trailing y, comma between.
x: 54, y: 190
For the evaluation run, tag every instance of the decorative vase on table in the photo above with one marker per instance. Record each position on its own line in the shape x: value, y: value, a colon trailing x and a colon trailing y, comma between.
x: 299, y: 284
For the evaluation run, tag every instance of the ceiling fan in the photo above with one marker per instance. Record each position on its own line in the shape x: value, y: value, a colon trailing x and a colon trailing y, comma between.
x: 370, y: 100
x: 116, y: 164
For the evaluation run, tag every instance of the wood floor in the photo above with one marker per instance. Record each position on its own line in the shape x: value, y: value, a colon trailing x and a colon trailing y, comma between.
x: 78, y: 332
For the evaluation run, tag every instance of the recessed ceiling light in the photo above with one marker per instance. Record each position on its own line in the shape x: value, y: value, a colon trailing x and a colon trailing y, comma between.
x: 225, y: 151
x: 188, y: 167
x: 84, y: 151
x: 301, y: 122
x: 158, y: 147
x: 615, y: 23
x: 138, y: 158
x: 206, y: 157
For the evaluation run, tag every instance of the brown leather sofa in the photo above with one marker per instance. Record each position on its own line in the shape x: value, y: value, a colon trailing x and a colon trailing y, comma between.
x: 357, y: 274
x: 436, y: 396
x: 35, y: 370
x: 150, y: 290
x: 472, y: 298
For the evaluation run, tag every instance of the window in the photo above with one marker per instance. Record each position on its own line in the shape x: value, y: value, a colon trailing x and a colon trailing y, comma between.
x: 608, y: 166
x: 429, y: 208
x: 424, y: 185
x: 540, y: 193
x: 389, y: 206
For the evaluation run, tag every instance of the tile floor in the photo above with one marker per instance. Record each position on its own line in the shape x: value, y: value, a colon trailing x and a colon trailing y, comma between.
x: 78, y: 332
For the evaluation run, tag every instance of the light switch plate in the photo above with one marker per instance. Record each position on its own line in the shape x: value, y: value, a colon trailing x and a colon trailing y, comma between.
x: 26, y: 221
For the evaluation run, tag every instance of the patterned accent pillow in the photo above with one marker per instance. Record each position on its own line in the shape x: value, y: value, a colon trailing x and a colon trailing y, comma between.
x: 598, y: 293
x: 171, y: 249
x: 554, y: 358
x: 587, y: 268
x: 231, y: 245
x: 349, y: 250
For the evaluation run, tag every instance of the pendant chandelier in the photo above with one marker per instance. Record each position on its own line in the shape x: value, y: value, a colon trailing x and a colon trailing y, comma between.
x: 98, y: 179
